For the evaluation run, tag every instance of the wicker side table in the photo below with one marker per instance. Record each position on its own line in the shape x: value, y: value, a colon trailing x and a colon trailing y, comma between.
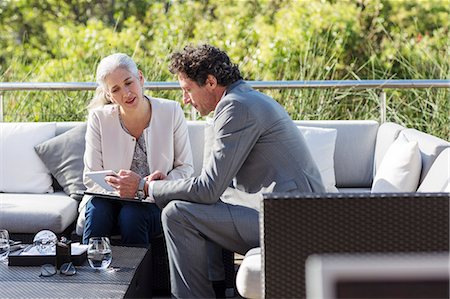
x: 128, y: 277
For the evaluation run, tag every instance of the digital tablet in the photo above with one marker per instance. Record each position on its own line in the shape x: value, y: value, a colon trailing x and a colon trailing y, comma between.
x: 99, y: 178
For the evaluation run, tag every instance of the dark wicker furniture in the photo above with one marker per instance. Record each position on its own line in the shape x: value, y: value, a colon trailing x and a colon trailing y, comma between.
x: 160, y: 266
x: 129, y: 279
x: 294, y: 226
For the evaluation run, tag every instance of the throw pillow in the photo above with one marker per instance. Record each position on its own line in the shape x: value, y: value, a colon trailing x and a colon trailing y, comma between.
x: 63, y: 156
x: 321, y: 143
x: 400, y: 168
x: 21, y: 169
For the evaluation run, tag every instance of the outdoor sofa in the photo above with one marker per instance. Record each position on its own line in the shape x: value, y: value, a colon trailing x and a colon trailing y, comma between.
x: 42, y: 163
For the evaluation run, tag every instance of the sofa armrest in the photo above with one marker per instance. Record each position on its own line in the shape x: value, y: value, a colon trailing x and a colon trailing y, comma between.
x: 294, y: 226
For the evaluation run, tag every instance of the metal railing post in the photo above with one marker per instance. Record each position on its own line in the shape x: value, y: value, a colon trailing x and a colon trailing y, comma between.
x: 382, y: 99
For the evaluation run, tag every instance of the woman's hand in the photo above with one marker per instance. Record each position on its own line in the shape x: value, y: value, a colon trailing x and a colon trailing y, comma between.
x: 126, y: 183
x: 156, y: 176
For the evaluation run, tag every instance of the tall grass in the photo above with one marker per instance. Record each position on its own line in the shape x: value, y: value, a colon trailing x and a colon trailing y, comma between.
x: 427, y: 110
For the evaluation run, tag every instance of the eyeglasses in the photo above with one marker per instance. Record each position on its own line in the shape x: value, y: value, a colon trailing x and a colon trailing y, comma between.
x: 67, y: 269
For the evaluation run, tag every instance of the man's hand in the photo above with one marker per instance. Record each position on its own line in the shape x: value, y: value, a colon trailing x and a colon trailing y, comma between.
x: 126, y: 183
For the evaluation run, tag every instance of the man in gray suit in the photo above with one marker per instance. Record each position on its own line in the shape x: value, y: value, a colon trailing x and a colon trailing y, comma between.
x: 257, y: 148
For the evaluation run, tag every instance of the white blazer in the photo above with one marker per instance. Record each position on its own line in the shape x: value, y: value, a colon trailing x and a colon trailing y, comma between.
x: 108, y: 146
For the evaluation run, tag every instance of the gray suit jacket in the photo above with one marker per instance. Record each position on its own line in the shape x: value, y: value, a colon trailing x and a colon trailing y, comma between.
x: 256, y: 146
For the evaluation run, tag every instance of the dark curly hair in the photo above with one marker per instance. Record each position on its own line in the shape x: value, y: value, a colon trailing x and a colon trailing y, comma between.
x: 199, y: 62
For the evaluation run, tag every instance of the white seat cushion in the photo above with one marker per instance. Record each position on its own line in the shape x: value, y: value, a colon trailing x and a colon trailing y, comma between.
x: 30, y: 213
x: 248, y: 278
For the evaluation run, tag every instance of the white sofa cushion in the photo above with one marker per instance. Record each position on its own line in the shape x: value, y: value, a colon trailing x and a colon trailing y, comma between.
x: 20, y: 166
x: 438, y: 177
x: 400, y: 169
x: 386, y: 135
x: 30, y: 213
x: 321, y: 143
x: 248, y: 277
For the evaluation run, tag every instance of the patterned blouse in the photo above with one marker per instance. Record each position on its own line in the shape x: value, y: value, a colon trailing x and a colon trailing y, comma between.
x: 139, y: 163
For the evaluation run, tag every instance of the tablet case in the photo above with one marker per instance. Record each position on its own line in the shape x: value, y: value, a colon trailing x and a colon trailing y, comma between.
x: 115, y: 197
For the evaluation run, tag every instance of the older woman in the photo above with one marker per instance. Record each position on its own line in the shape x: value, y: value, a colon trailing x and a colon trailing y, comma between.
x: 139, y: 137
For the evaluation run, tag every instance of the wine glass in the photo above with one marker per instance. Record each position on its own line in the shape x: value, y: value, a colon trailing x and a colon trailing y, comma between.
x: 99, y: 253
x: 4, y: 244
